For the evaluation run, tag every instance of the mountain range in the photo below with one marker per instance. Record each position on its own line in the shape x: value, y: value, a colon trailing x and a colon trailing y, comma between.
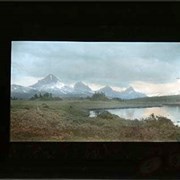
x: 52, y: 84
x: 129, y: 93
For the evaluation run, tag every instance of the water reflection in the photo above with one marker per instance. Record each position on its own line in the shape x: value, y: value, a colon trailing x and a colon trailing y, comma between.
x: 171, y: 112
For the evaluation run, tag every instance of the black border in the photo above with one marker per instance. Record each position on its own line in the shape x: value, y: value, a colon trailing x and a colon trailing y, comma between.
x: 89, y: 21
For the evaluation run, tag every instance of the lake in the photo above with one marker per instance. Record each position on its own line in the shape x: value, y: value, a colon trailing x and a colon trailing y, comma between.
x: 171, y: 112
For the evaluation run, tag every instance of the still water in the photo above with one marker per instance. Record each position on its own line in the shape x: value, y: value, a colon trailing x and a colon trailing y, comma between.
x: 171, y: 112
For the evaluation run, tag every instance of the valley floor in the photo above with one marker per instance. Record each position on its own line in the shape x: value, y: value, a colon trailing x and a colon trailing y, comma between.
x: 68, y: 120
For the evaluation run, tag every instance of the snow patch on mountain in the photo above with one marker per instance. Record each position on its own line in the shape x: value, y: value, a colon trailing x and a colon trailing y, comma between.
x: 52, y: 84
x: 130, y: 93
x: 80, y: 86
x: 49, y: 82
x: 109, y: 92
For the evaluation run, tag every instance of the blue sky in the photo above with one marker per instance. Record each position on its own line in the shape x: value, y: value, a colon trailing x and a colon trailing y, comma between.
x: 151, y: 68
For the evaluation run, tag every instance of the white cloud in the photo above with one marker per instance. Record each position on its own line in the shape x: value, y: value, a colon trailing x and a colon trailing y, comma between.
x: 148, y: 67
x: 118, y: 88
x: 152, y: 89
x: 25, y: 80
x: 94, y: 86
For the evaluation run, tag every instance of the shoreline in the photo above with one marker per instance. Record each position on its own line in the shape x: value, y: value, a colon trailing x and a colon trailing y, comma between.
x: 125, y: 107
x: 135, y: 106
x: 171, y: 104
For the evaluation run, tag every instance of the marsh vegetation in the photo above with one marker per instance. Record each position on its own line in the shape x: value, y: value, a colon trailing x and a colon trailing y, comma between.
x: 68, y: 120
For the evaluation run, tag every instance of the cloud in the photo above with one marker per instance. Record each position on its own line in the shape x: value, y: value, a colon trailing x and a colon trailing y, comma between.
x: 24, y: 80
x: 158, y: 89
x: 118, y: 64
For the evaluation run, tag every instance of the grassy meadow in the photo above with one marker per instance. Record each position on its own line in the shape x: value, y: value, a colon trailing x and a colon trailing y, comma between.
x: 68, y: 120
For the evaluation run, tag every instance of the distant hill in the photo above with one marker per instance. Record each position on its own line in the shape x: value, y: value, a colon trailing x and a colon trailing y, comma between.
x: 52, y: 84
x: 82, y: 89
x: 22, y: 92
x: 55, y: 86
x: 129, y: 93
x: 109, y: 92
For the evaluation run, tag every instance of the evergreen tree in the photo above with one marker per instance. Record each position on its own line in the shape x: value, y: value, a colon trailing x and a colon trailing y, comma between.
x: 99, y: 96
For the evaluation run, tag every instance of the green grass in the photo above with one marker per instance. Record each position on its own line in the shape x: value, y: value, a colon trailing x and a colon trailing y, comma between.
x: 68, y: 120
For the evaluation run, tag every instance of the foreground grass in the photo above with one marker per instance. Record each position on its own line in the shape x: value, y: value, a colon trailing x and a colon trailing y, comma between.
x: 69, y: 120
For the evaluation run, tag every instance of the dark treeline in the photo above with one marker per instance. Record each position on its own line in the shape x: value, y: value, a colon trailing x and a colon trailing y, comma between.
x: 45, y: 96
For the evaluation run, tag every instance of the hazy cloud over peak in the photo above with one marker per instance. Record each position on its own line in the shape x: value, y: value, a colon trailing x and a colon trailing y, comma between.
x: 113, y: 63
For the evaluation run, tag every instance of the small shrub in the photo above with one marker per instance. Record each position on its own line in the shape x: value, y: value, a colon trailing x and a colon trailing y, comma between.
x: 164, y: 120
x: 158, y: 121
x: 135, y: 122
x: 27, y: 107
x: 44, y: 105
x: 99, y: 96
x: 106, y: 115
x: 57, y: 99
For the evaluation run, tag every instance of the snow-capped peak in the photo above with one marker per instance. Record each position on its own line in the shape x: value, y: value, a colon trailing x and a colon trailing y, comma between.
x: 107, y: 87
x: 81, y: 86
x: 130, y: 93
x: 51, y: 78
x: 49, y: 82
x: 109, y: 92
x: 54, y: 85
x: 130, y: 89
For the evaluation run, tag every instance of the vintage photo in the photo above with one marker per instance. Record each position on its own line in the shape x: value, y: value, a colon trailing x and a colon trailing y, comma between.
x: 95, y: 91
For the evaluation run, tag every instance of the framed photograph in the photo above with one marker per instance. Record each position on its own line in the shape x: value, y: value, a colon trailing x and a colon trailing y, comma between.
x: 95, y: 91
x: 89, y: 90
